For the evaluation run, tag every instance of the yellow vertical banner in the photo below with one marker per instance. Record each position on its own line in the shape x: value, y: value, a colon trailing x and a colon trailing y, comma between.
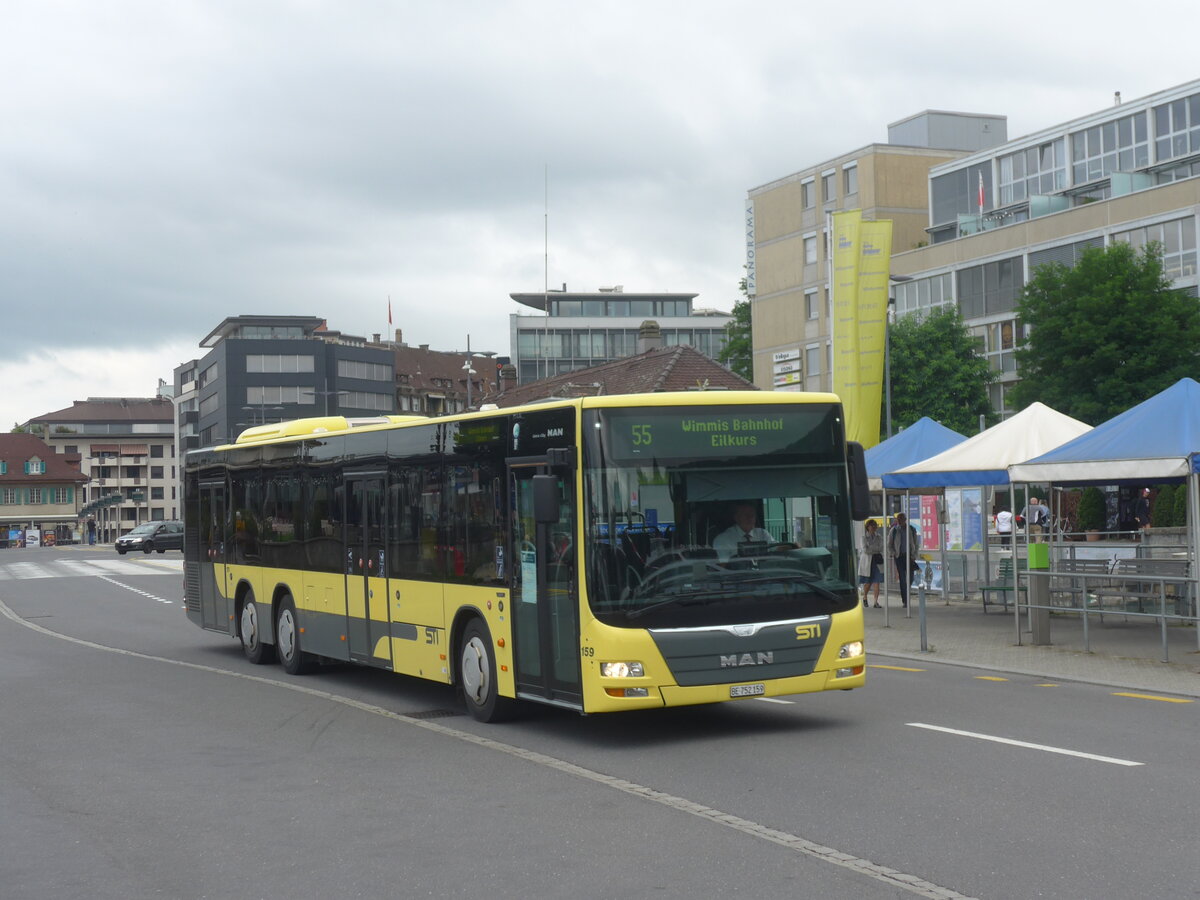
x: 874, y: 266
x: 844, y: 284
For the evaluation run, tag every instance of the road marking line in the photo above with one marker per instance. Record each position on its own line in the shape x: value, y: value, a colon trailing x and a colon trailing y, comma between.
x: 894, y: 878
x: 1153, y: 697
x: 1044, y: 747
x: 895, y: 668
x: 989, y: 678
x: 1047, y: 684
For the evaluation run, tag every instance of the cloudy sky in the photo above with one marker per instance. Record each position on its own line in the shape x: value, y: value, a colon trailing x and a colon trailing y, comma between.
x: 164, y: 165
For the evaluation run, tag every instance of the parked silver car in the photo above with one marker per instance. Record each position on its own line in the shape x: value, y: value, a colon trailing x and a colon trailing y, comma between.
x: 161, y: 536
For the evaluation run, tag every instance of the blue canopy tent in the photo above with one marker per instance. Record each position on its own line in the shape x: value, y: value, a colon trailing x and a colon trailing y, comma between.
x: 1156, y: 441
x: 921, y: 440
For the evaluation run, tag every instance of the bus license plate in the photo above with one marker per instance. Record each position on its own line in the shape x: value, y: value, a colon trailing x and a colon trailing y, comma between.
x: 747, y: 690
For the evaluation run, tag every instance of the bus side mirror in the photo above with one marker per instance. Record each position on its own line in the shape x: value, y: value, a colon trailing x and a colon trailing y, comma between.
x: 860, y: 491
x: 546, y: 498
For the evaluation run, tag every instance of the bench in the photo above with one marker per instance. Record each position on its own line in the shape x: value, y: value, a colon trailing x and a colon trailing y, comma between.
x: 1077, y: 578
x: 1138, y: 580
x: 1003, y: 585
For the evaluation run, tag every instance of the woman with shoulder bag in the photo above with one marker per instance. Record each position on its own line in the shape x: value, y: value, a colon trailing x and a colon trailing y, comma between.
x: 870, y: 560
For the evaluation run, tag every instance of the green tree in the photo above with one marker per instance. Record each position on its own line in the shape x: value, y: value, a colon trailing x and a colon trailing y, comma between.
x: 738, y: 352
x: 1106, y: 334
x: 1163, y: 512
x: 937, y: 373
x: 1179, y: 517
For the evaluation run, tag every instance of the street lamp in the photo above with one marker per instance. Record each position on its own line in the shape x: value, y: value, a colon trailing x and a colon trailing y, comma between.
x: 470, y: 371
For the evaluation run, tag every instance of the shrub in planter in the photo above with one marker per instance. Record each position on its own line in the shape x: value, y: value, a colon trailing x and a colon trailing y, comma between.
x: 1179, y: 520
x: 1162, y: 514
x: 1091, y: 510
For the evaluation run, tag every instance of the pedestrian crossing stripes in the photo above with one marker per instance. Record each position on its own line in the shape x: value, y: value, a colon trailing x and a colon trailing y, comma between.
x: 76, y: 568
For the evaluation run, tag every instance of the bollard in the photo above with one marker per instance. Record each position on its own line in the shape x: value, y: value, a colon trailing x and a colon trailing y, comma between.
x: 921, y: 615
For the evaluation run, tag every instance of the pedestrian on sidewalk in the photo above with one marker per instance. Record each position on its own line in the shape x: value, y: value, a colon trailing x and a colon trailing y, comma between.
x: 91, y: 530
x: 870, y: 560
x: 903, y: 542
x: 1038, y: 517
x: 1004, y: 523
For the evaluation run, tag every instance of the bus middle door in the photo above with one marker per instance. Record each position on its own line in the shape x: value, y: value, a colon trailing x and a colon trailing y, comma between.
x: 545, y: 593
x: 367, y: 623
x: 215, y: 529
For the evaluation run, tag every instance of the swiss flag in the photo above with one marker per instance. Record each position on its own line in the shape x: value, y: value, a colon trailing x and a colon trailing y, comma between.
x: 390, y: 299
x: 980, y: 193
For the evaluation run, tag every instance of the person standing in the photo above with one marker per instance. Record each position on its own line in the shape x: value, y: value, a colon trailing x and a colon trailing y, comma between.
x: 903, y: 542
x: 1004, y: 523
x: 91, y: 530
x: 1038, y: 517
x: 1141, y: 510
x: 870, y: 560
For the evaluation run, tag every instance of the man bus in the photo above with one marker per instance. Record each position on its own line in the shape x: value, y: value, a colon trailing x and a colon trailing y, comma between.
x: 560, y: 553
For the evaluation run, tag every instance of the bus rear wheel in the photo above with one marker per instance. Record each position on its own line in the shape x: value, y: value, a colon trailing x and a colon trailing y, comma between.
x: 287, y: 639
x: 477, y: 675
x: 250, y: 632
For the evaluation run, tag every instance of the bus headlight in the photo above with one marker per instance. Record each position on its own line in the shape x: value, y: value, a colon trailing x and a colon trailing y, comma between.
x: 852, y: 649
x: 621, y: 670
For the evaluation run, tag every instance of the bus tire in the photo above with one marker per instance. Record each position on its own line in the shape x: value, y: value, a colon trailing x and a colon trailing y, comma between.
x: 287, y: 639
x: 477, y: 675
x: 250, y: 624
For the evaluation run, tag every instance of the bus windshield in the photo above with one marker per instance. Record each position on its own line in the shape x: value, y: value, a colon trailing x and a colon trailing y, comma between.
x: 710, y: 515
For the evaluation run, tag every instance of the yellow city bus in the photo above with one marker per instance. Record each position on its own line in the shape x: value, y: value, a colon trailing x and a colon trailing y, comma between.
x: 575, y: 553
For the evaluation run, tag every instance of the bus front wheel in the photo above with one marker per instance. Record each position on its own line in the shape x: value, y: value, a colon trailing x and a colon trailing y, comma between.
x: 477, y: 675
x: 287, y: 639
x: 250, y: 632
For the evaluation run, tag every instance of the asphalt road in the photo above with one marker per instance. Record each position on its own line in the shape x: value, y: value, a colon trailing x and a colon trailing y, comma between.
x: 143, y: 757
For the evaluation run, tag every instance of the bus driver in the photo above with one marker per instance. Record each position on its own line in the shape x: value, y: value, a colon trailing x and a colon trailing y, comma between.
x: 744, y: 529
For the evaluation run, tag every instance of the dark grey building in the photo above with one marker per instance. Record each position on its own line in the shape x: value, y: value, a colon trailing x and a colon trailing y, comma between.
x: 262, y: 369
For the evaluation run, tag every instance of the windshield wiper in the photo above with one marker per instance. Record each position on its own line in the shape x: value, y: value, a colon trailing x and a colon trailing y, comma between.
x: 809, y: 580
x: 689, y: 599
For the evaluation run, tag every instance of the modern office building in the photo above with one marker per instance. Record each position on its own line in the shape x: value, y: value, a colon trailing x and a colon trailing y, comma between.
x: 1127, y: 172
x: 579, y: 330
x: 125, y: 450
x: 262, y: 369
x: 789, y: 258
x: 1124, y: 173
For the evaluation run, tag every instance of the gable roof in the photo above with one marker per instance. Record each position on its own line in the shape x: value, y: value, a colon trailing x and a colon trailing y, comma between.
x: 985, y: 458
x: 680, y: 368
x: 112, y: 409
x: 17, y: 449
x: 1158, y: 439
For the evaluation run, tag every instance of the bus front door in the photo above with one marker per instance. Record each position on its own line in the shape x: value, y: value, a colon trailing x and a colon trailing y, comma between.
x: 215, y: 608
x: 545, y: 593
x: 367, y: 625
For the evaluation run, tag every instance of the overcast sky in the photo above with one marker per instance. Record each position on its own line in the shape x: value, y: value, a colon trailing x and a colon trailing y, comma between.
x: 164, y: 165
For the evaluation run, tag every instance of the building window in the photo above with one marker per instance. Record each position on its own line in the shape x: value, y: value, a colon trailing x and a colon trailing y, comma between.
x: 35, y: 495
x: 1177, y: 240
x: 829, y: 188
x: 924, y: 293
x: 62, y: 495
x: 156, y: 493
x: 264, y: 362
x: 274, y: 393
x: 156, y: 471
x: 1118, y: 146
x: 1034, y: 170
x: 991, y: 288
x: 808, y: 194
x: 210, y: 405
x: 156, y: 451
x: 1177, y: 128
x: 367, y: 371
x: 850, y: 180
x: 9, y: 497
x: 812, y: 304
x: 70, y: 449
x: 365, y: 400
x: 810, y: 249
x: 209, y: 374
x: 35, y: 466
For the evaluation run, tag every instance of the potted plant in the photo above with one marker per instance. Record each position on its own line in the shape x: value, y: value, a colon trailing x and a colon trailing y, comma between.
x: 1091, y: 512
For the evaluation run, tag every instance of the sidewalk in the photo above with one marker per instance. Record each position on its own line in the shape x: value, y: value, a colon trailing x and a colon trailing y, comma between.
x: 1125, y: 653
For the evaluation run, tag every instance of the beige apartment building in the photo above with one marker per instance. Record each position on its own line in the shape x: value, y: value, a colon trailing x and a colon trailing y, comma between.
x: 1128, y: 172
x: 789, y: 257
